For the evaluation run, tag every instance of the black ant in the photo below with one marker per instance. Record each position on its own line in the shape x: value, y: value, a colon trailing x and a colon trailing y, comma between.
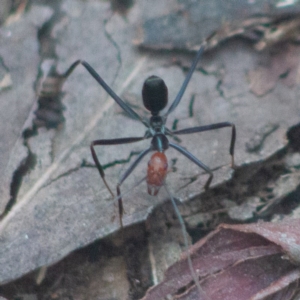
x: 155, y: 99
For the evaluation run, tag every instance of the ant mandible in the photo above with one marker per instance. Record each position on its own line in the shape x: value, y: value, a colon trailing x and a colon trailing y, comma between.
x: 155, y: 99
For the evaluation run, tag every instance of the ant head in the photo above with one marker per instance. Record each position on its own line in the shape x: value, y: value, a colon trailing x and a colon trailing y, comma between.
x: 155, y: 94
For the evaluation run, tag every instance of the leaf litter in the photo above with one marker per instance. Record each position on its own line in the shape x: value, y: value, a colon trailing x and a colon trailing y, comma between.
x: 250, y: 261
x: 63, y: 191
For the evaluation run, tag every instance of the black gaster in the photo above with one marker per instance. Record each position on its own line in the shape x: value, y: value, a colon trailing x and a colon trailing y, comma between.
x: 155, y: 94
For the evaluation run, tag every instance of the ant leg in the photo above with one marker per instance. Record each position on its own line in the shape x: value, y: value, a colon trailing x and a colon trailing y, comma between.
x: 213, y: 127
x: 123, y: 178
x: 186, y: 81
x: 187, y: 244
x: 71, y: 68
x: 106, y: 87
x: 195, y: 160
x: 105, y: 143
x: 99, y: 167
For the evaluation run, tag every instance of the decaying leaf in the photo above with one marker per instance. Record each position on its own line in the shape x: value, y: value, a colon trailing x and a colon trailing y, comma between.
x: 61, y: 203
x: 185, y: 25
x: 255, y: 261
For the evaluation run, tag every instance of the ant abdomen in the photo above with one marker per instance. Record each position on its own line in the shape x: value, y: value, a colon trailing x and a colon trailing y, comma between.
x: 157, y: 172
x: 155, y: 94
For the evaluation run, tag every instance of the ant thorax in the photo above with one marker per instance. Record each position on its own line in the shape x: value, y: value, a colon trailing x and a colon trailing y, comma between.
x: 159, y: 142
x: 156, y: 125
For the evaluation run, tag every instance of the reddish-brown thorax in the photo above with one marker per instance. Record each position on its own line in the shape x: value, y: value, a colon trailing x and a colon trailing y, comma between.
x: 157, y: 172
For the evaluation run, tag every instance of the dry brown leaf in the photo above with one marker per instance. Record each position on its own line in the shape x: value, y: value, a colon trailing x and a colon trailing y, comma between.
x: 254, y: 261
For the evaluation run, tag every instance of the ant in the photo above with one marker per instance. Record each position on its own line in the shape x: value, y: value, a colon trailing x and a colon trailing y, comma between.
x: 155, y: 99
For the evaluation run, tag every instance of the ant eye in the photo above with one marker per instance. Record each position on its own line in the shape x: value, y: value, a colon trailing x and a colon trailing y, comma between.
x: 155, y: 94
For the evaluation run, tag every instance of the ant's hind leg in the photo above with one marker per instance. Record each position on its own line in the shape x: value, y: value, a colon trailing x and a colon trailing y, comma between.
x: 120, y: 205
x: 99, y: 167
x: 195, y: 160
x: 209, y: 180
x: 106, y: 143
x: 123, y: 178
x: 232, y: 143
